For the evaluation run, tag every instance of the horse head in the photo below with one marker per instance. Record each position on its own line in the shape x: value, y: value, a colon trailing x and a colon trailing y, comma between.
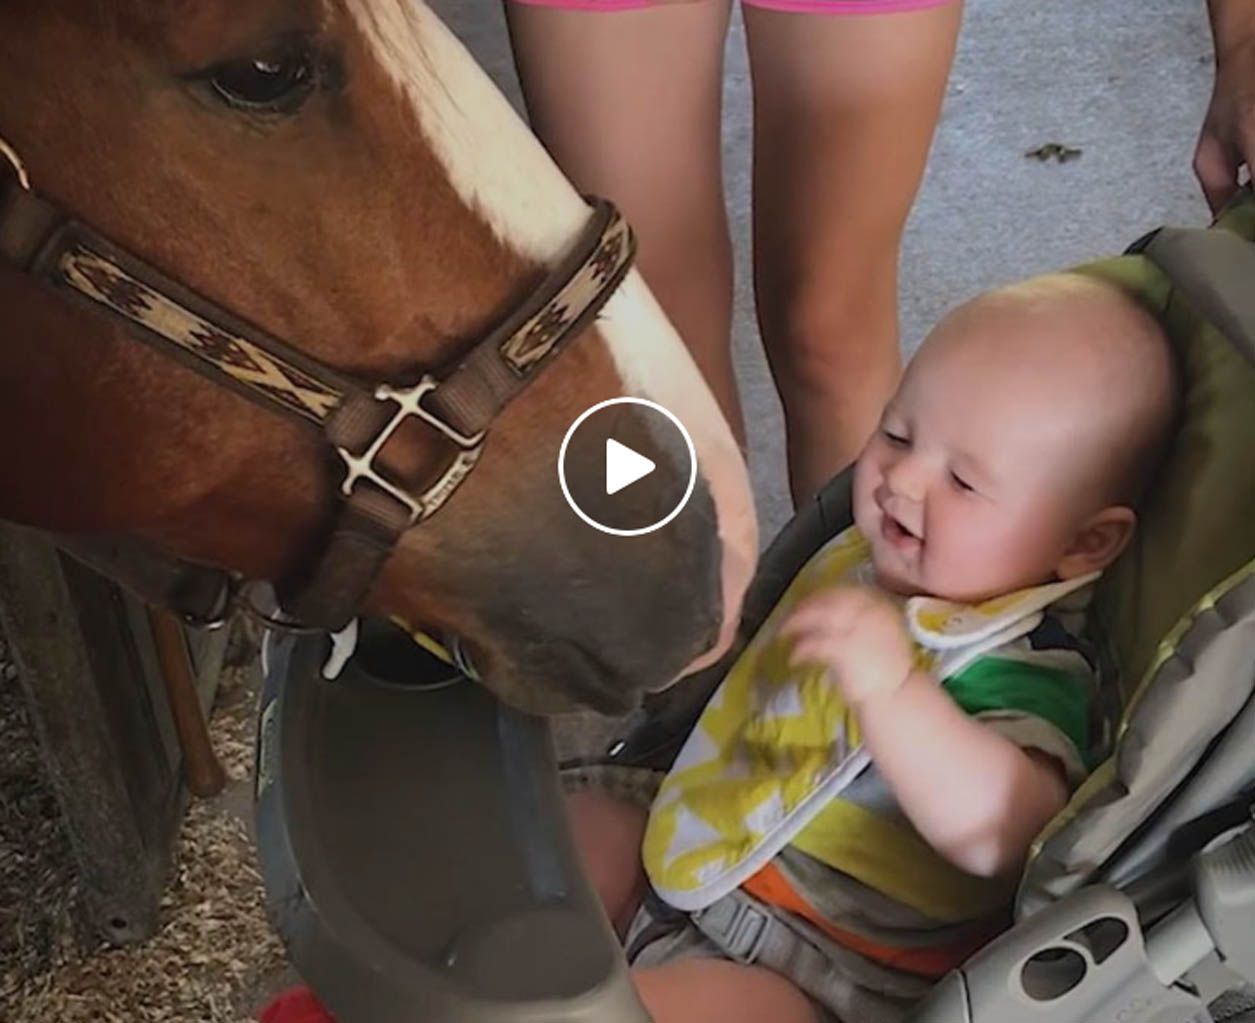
x: 340, y: 175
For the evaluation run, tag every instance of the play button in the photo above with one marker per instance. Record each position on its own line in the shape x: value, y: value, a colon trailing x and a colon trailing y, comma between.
x: 627, y: 466
x: 624, y: 466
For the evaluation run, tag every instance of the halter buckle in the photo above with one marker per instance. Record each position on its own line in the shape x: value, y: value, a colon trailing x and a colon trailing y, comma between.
x: 409, y: 401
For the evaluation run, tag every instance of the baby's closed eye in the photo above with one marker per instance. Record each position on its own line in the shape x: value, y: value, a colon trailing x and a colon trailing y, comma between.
x: 961, y: 484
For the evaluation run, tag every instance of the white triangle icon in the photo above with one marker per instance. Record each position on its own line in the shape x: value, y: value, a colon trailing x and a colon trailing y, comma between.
x: 624, y: 466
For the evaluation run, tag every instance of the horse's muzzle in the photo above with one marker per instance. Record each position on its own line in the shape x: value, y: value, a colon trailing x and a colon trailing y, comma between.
x: 633, y: 615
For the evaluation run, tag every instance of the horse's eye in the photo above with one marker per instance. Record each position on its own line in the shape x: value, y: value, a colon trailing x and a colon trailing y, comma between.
x: 270, y: 85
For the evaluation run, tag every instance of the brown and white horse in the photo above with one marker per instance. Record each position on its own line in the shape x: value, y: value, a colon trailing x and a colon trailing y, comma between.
x: 340, y: 174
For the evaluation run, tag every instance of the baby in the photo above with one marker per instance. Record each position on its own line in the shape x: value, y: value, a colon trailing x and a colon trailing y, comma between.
x: 852, y: 811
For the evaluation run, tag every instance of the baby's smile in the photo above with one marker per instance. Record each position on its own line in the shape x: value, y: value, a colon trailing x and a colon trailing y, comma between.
x: 898, y: 535
x: 900, y: 530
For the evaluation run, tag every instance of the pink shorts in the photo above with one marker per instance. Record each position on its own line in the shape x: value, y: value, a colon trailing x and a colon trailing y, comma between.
x: 801, y: 6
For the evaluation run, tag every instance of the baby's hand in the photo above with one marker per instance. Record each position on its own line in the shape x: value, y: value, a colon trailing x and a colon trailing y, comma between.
x: 859, y: 635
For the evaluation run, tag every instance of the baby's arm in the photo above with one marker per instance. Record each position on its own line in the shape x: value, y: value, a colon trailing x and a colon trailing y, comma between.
x: 974, y: 796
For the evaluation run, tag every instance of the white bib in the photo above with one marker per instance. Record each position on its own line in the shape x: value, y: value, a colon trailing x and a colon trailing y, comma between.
x: 776, y: 743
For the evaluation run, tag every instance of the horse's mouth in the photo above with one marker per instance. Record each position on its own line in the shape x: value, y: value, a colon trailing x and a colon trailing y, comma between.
x: 568, y: 677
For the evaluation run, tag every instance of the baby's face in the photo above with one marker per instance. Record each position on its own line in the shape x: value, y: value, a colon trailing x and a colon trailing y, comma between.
x: 969, y: 487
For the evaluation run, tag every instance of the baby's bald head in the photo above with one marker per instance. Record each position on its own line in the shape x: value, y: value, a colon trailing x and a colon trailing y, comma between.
x: 1018, y: 441
x: 1082, y: 354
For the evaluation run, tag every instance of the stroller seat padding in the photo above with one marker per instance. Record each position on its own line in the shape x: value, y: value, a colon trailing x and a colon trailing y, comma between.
x: 1176, y: 613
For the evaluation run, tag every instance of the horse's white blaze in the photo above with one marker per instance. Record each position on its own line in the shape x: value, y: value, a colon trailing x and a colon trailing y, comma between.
x: 498, y: 167
x: 492, y: 160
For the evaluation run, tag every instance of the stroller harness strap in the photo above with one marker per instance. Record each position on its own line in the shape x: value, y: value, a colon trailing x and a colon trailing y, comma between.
x: 751, y: 932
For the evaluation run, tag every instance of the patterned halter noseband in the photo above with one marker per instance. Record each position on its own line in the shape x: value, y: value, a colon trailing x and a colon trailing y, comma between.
x: 371, y: 428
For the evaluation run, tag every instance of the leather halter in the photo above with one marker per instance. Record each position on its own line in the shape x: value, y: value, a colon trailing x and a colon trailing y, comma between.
x: 371, y: 428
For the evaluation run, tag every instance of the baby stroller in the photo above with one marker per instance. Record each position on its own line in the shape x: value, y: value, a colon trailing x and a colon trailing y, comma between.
x: 414, y: 849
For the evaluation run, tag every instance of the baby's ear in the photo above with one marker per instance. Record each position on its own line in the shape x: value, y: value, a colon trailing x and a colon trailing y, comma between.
x: 1098, y: 542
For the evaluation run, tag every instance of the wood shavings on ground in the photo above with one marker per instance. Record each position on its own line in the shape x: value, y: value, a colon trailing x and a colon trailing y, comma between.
x: 214, y: 942
x: 232, y: 726
x: 214, y: 958
x: 214, y: 950
x: 41, y: 923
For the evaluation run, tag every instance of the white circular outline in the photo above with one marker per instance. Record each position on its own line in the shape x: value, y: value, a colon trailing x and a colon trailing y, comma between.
x: 674, y: 511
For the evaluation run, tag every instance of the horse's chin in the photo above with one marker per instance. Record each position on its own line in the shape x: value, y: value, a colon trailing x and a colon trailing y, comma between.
x: 570, y: 680
x: 552, y: 702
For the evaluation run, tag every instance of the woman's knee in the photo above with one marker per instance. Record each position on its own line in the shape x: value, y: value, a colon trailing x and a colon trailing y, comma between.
x: 845, y: 324
x: 608, y: 834
x: 716, y: 991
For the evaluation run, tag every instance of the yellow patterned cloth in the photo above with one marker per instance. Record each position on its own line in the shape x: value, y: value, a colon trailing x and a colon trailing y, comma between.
x: 776, y: 744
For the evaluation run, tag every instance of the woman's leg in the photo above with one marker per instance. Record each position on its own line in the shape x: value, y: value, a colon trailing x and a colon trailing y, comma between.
x: 608, y: 832
x: 628, y: 104
x: 717, y: 991
x: 844, y: 112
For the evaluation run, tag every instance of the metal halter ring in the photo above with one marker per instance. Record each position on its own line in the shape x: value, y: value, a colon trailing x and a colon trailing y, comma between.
x: 409, y: 402
x: 10, y: 154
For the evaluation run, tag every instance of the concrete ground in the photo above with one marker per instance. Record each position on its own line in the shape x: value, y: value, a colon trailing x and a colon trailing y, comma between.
x: 1125, y: 81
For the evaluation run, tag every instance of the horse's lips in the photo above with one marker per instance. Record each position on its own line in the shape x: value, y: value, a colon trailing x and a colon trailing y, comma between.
x: 588, y: 682
x: 556, y: 675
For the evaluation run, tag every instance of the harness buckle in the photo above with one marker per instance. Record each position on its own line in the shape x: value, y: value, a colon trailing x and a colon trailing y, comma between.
x: 409, y: 401
x: 737, y: 925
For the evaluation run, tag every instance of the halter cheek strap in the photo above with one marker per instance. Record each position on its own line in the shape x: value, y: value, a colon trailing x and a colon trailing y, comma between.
x: 439, y: 424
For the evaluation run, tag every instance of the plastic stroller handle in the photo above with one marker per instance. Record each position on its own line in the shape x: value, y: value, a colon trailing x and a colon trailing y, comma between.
x: 1081, y: 960
x: 1224, y: 885
x: 1084, y: 959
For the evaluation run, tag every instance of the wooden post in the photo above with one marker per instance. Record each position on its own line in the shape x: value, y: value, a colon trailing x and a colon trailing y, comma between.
x: 93, y: 678
x: 202, y: 772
